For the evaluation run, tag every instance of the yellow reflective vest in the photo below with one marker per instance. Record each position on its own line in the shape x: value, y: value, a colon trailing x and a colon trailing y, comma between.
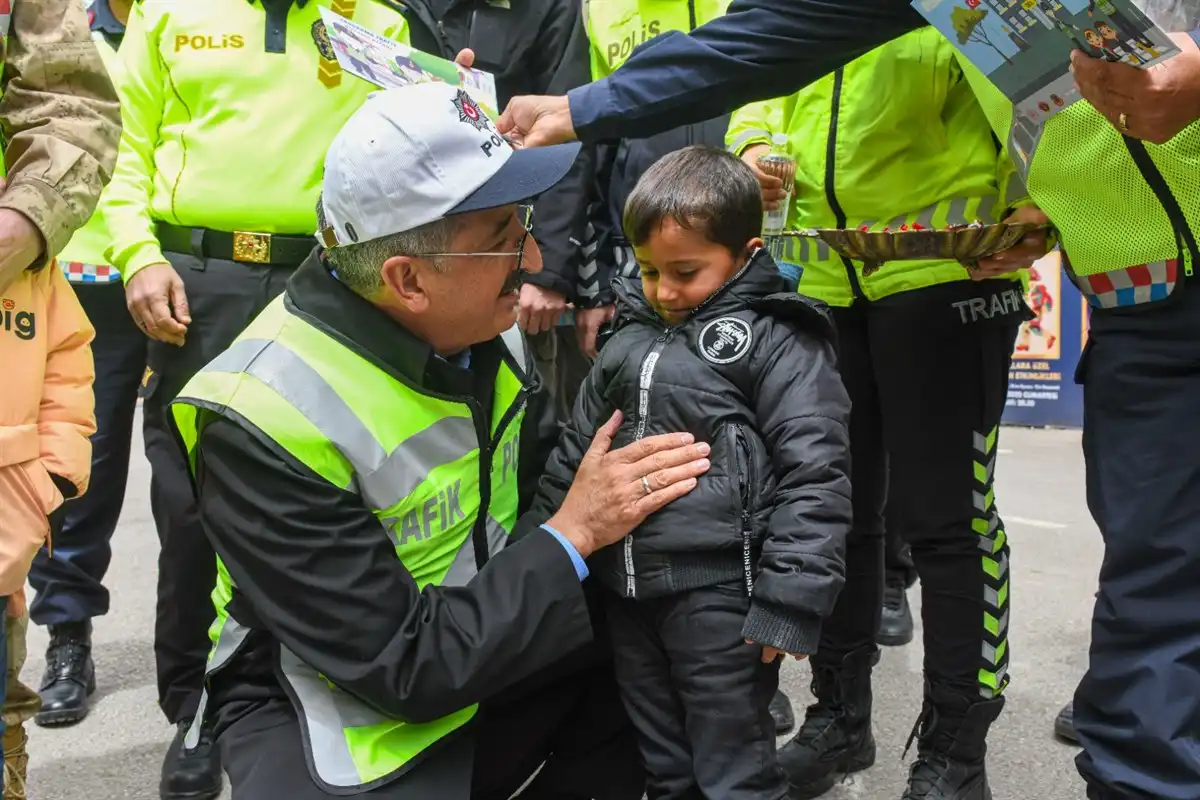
x: 415, y: 460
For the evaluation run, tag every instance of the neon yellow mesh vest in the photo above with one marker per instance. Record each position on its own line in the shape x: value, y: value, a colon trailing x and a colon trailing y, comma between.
x: 412, y: 457
x: 895, y: 138
x: 1127, y: 228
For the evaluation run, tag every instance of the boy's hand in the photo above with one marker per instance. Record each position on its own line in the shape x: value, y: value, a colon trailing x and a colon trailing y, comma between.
x: 772, y: 187
x: 770, y: 654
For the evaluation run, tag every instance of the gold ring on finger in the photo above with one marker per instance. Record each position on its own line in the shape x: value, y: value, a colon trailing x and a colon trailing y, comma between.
x: 646, y: 485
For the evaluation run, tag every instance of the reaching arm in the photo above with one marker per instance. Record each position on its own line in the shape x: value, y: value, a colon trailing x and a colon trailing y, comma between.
x: 60, y: 119
x: 754, y: 124
x: 559, y: 216
x: 310, y: 558
x: 804, y: 414
x: 66, y: 416
x: 759, y: 49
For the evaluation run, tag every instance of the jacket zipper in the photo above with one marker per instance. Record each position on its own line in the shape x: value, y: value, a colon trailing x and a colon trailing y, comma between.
x: 830, y: 171
x: 645, y: 384
x: 1189, y: 252
x: 741, y: 449
x: 691, y: 15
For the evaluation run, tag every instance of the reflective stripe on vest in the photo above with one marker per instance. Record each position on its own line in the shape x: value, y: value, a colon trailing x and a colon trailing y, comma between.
x: 413, y: 458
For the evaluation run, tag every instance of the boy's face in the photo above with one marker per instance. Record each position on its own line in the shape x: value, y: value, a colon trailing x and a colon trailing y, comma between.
x: 681, y: 269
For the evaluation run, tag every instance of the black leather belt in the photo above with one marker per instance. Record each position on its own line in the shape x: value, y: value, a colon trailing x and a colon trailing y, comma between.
x: 249, y: 248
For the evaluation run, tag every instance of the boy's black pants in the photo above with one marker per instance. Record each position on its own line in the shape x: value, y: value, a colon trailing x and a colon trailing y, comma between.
x: 697, y: 695
x: 927, y: 373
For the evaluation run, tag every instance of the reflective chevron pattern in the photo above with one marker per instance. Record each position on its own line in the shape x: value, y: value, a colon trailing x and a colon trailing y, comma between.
x: 993, y: 672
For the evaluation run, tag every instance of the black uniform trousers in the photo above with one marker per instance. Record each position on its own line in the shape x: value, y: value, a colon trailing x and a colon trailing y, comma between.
x: 70, y: 586
x: 698, y: 695
x: 897, y: 555
x: 927, y: 373
x: 223, y: 298
x: 1137, y: 710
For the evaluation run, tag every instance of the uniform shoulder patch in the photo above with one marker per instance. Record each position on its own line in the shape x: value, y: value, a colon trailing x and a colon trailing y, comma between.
x: 725, y: 340
x: 320, y: 38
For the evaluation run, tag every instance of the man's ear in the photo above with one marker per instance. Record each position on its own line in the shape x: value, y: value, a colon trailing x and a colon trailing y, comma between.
x: 404, y: 279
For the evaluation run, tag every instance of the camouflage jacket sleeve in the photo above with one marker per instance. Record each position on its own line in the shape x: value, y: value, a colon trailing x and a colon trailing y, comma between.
x: 60, y: 118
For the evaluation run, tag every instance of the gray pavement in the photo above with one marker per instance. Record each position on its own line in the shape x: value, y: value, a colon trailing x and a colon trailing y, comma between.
x: 116, y: 752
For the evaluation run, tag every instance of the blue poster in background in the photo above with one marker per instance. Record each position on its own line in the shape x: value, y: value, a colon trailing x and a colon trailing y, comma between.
x: 1041, y: 381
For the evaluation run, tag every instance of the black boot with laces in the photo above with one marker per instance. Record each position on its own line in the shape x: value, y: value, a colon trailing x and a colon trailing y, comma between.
x: 70, y: 677
x: 836, y: 737
x: 951, y: 738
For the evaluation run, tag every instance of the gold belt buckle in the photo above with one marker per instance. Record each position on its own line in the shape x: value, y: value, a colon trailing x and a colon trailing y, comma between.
x: 254, y: 248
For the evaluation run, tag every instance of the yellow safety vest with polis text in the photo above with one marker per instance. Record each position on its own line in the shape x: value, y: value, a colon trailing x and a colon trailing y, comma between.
x: 415, y: 461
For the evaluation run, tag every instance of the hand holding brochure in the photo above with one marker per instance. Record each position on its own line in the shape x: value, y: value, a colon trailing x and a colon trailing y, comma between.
x: 1024, y: 46
x: 389, y: 64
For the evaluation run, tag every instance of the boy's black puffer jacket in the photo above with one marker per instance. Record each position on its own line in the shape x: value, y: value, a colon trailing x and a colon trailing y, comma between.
x: 752, y: 372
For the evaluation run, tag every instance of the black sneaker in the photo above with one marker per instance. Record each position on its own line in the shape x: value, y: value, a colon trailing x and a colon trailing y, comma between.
x: 896, y: 619
x: 781, y: 713
x: 191, y: 774
x: 70, y: 676
x: 836, y: 737
x: 1064, y: 724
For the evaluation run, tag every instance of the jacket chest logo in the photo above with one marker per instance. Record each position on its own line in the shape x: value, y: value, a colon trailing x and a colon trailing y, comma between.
x: 725, y: 340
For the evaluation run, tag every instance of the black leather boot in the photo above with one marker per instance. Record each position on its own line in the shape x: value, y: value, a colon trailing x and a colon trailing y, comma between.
x: 896, y: 619
x: 951, y: 738
x: 836, y: 737
x: 1064, y: 724
x: 781, y: 712
x: 70, y: 677
x: 191, y: 774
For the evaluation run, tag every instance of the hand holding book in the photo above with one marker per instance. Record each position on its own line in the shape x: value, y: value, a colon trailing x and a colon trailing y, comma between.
x: 1150, y: 104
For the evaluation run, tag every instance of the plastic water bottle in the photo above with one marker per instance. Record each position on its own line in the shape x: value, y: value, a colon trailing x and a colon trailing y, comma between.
x: 778, y: 162
x: 782, y: 165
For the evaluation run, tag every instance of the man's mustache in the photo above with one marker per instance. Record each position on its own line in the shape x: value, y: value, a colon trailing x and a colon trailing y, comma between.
x: 513, y: 282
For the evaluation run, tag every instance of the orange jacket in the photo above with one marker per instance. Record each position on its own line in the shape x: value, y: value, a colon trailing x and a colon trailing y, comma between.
x: 46, y: 414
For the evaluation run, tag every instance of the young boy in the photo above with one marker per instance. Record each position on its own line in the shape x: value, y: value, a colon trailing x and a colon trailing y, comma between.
x: 709, y: 592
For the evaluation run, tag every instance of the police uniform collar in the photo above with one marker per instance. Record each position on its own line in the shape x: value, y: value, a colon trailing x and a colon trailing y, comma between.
x: 102, y: 20
x: 325, y: 302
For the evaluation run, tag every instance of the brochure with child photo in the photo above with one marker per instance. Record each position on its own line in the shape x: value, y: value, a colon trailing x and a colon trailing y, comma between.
x: 389, y: 64
x: 1024, y: 46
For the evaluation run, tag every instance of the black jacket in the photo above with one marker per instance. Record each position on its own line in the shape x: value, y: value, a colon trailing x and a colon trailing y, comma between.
x: 618, y: 166
x: 315, y: 570
x: 532, y: 47
x: 752, y: 372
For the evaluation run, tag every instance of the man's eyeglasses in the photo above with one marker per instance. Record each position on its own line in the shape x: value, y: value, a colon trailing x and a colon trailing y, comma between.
x: 524, y: 216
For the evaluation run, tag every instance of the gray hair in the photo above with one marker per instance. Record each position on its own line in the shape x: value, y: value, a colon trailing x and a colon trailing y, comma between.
x: 358, y: 265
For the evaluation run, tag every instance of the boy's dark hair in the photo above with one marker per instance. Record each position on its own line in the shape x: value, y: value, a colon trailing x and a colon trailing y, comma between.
x: 703, y: 189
